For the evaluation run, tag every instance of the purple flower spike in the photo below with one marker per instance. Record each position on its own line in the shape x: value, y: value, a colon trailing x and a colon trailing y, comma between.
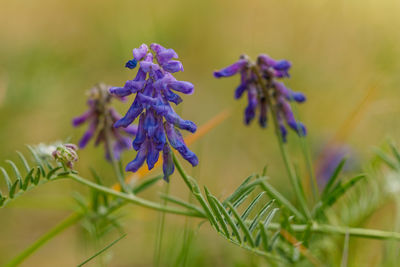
x: 101, y: 117
x: 232, y: 69
x: 265, y: 92
x: 155, y: 89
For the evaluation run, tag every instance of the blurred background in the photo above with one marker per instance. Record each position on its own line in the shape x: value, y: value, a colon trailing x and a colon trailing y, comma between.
x: 345, y: 57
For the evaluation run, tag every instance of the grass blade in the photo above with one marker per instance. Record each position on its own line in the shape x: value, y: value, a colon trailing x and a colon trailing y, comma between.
x: 384, y: 157
x: 395, y: 152
x: 333, y: 178
x: 338, y: 192
x: 101, y: 251
x: 146, y: 184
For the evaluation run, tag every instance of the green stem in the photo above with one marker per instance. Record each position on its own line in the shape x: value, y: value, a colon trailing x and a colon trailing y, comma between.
x: 308, y: 161
x: 341, y: 230
x: 114, y: 162
x: 182, y: 172
x: 296, y: 183
x: 131, y: 198
x: 69, y: 221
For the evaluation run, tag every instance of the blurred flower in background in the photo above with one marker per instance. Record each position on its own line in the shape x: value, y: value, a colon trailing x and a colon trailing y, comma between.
x: 263, y: 89
x: 101, y: 116
x: 328, y: 159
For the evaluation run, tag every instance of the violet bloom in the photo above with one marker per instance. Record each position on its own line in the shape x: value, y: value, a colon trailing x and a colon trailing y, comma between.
x: 329, y: 158
x: 155, y: 87
x: 101, y: 116
x: 269, y: 70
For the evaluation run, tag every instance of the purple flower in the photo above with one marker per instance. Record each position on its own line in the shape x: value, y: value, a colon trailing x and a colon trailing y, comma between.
x: 155, y: 88
x: 260, y: 82
x: 101, y: 117
x: 329, y: 158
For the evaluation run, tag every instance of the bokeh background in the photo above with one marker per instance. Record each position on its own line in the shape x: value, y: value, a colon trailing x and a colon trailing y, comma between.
x: 51, y: 52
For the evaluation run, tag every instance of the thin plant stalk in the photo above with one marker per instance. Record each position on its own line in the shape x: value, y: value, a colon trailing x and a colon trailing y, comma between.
x: 306, y: 152
x: 132, y: 198
x: 296, y: 183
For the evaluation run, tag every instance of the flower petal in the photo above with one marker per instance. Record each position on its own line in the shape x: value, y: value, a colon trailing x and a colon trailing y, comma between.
x: 134, y: 111
x: 83, y: 118
x: 139, y: 53
x: 135, y: 164
x: 181, y: 86
x: 152, y: 155
x: 231, y: 70
x: 176, y: 140
x: 120, y: 91
x: 172, y: 66
x: 140, y: 135
x: 89, y: 133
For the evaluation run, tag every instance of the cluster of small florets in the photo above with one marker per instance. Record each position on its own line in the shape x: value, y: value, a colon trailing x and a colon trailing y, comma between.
x: 66, y: 154
x: 154, y: 87
x: 101, y: 117
x: 272, y: 92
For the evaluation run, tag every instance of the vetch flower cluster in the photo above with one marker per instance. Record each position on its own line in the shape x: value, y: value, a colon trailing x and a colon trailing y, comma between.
x: 66, y: 154
x: 101, y: 117
x: 260, y: 81
x: 155, y: 87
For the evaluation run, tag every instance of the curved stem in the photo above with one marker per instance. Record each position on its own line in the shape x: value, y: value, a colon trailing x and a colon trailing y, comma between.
x: 69, y: 221
x: 132, y: 198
